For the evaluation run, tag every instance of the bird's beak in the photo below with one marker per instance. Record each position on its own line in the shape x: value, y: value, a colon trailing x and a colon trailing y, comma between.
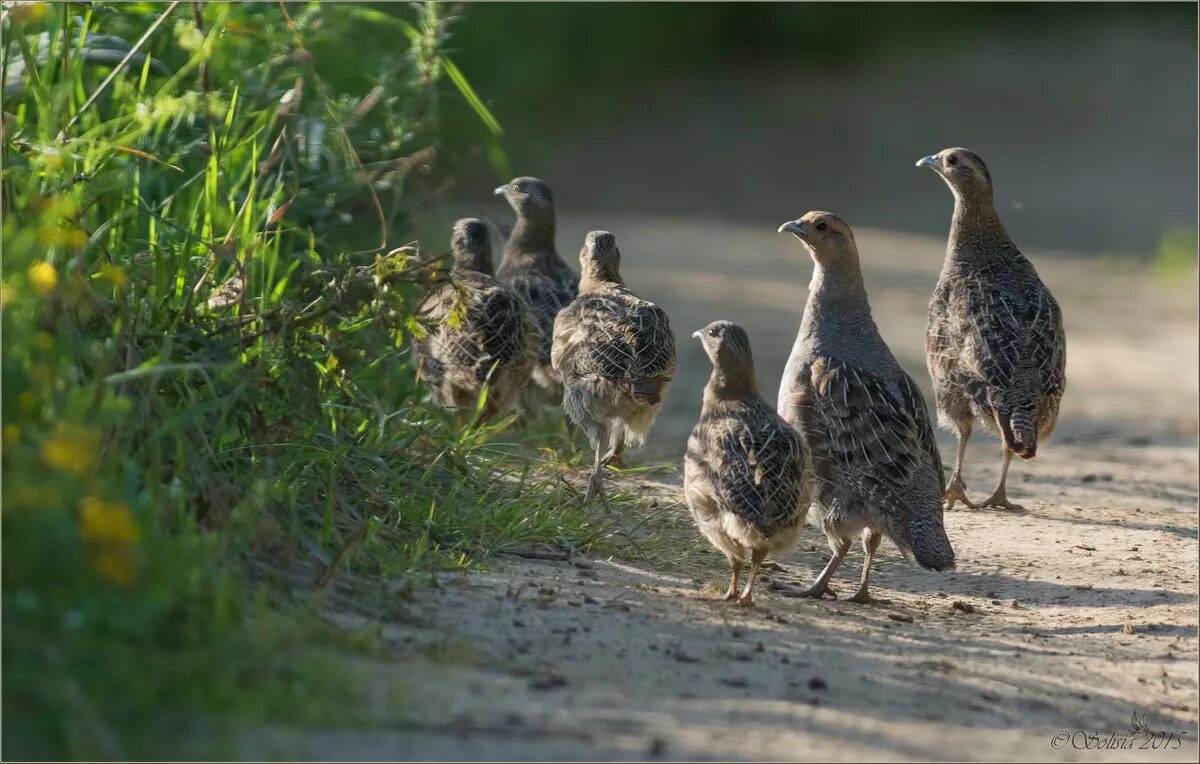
x: 698, y: 334
x: 794, y: 227
x: 499, y: 191
x: 931, y: 162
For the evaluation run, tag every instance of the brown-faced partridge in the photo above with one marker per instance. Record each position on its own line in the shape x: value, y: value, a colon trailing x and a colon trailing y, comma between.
x: 747, y: 475
x: 481, y: 332
x: 532, y: 267
x: 876, y: 466
x: 994, y: 342
x: 615, y: 354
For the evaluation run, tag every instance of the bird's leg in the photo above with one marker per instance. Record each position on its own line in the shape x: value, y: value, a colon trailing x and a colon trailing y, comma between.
x: 820, y: 587
x: 756, y: 558
x: 870, y: 542
x: 597, y: 436
x: 957, y: 490
x: 998, y: 497
x: 732, y: 592
x: 616, y: 447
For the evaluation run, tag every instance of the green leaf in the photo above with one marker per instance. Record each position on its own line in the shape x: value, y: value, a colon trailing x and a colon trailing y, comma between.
x: 468, y: 93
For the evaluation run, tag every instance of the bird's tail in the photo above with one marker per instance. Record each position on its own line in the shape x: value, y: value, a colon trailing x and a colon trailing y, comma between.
x: 1016, y: 413
x: 930, y: 544
x: 1019, y: 430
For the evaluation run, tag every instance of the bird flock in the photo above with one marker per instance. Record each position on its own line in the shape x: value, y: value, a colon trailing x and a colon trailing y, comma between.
x: 850, y: 436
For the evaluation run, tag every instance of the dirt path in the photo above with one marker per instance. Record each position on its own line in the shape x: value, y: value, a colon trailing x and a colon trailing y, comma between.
x: 1073, y: 615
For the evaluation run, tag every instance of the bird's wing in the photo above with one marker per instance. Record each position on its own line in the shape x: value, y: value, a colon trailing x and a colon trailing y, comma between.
x: 624, y: 337
x: 1013, y: 335
x: 497, y: 325
x: 875, y: 436
x: 545, y: 296
x: 566, y: 338
x: 756, y: 466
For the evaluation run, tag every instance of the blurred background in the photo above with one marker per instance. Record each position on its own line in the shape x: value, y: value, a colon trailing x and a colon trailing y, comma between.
x: 758, y: 112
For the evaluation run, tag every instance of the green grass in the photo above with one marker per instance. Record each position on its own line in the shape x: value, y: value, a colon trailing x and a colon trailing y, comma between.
x: 210, y: 419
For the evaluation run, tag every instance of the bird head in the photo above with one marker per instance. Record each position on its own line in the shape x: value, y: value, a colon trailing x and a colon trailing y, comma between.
x: 529, y: 197
x: 471, y: 246
x: 599, y: 259
x: 727, y: 346
x: 963, y: 170
x: 825, y: 235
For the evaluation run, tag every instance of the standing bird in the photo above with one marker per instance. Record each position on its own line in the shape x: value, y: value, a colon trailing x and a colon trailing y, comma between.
x: 615, y: 354
x: 747, y: 474
x: 994, y: 342
x: 876, y: 465
x: 532, y: 267
x: 483, y: 332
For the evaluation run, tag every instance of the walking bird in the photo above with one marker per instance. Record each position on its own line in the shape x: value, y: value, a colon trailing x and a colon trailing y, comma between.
x: 615, y: 354
x: 876, y: 466
x: 994, y: 342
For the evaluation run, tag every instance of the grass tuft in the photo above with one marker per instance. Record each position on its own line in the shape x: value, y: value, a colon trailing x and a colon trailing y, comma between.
x: 211, y: 423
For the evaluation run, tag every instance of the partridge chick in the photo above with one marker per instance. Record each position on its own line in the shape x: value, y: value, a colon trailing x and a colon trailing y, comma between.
x: 747, y: 474
x: 615, y: 354
x: 481, y: 331
x: 532, y: 267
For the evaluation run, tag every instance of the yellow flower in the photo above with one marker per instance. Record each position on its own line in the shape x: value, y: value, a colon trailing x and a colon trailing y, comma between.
x: 12, y: 434
x: 54, y: 236
x: 22, y: 12
x: 106, y: 522
x: 43, y: 277
x: 73, y: 448
x: 59, y: 207
x: 113, y: 274
x: 6, y: 294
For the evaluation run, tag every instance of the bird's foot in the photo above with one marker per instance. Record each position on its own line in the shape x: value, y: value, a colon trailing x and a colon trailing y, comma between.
x: 862, y: 597
x: 613, y: 460
x: 595, y: 488
x: 1000, y: 501
x: 814, y: 591
x: 746, y: 600
x: 957, y: 491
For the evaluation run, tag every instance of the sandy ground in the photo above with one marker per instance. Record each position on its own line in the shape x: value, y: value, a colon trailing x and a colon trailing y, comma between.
x: 1073, y: 615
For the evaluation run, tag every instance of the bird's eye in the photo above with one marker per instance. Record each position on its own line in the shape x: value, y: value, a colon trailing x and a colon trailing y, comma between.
x: 821, y: 226
x: 714, y: 332
x: 952, y: 159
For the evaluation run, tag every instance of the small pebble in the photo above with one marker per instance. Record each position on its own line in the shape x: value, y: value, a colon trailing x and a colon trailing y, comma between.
x: 683, y: 657
x: 547, y: 682
x: 817, y: 683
